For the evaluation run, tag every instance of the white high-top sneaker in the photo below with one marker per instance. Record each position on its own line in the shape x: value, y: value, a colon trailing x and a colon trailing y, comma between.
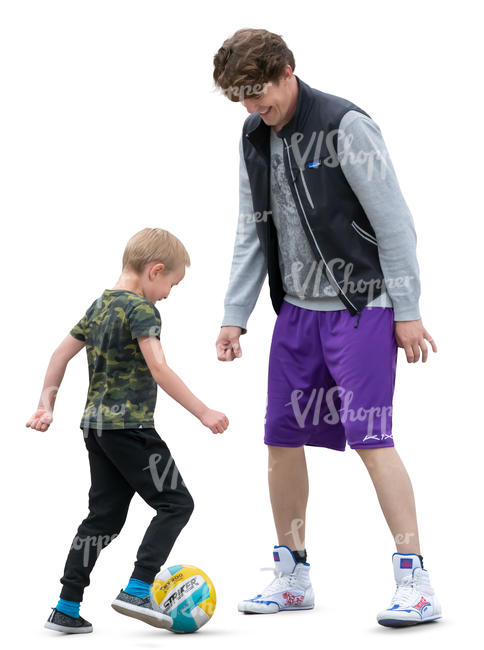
x: 414, y: 600
x: 290, y: 590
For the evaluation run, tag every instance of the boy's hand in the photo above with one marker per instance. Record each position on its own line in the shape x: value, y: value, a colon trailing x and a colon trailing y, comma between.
x: 228, y: 346
x: 40, y: 420
x: 410, y: 335
x: 217, y: 422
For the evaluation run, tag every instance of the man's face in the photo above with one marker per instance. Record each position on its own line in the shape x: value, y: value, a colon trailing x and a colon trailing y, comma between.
x: 275, y: 103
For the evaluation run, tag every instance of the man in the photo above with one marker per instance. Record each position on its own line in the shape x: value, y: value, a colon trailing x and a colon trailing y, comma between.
x: 321, y: 213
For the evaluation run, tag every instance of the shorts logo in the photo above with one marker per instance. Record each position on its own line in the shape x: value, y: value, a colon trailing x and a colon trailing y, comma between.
x: 276, y: 556
x: 406, y: 563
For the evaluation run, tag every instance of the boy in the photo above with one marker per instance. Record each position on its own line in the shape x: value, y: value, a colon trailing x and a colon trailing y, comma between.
x: 121, y: 331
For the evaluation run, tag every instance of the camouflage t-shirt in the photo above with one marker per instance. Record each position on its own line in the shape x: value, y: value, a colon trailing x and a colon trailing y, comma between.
x: 122, y: 392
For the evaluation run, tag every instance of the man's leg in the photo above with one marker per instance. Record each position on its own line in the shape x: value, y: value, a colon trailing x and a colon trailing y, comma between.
x: 295, y: 416
x: 395, y: 494
x: 362, y: 361
x: 414, y: 600
x: 289, y: 488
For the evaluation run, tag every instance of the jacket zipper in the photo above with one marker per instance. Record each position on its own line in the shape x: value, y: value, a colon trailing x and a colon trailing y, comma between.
x: 362, y: 233
x: 309, y: 228
x: 308, y: 196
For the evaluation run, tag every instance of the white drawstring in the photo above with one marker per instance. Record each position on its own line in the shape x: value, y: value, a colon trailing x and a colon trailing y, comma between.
x: 405, y: 593
x: 281, y: 581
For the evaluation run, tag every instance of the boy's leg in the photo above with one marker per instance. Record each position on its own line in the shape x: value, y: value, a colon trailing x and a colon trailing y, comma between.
x: 395, y: 495
x: 109, y: 498
x: 146, y: 463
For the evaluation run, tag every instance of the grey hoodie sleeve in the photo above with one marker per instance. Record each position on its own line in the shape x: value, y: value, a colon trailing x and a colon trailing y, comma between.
x: 249, y: 267
x: 366, y: 164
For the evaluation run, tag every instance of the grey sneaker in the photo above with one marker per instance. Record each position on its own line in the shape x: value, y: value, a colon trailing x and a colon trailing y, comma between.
x: 141, y: 608
x: 67, y: 624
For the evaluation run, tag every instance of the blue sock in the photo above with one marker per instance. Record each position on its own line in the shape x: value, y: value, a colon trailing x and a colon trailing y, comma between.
x: 69, y: 607
x: 138, y: 588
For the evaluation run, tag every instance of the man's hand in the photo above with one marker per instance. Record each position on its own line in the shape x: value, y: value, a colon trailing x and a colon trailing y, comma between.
x: 227, y: 344
x: 40, y: 420
x: 410, y: 335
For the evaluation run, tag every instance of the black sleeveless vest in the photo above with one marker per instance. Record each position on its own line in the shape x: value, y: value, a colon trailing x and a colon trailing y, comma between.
x: 333, y: 219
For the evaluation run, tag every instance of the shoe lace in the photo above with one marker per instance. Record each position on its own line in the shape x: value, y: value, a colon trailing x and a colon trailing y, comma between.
x: 281, y: 582
x: 405, y: 592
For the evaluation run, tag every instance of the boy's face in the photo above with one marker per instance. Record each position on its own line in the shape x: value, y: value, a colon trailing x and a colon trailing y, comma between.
x: 162, y: 281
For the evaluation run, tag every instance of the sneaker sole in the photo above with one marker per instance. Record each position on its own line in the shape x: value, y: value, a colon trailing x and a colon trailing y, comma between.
x: 281, y: 609
x: 395, y: 622
x: 66, y: 629
x: 155, y: 619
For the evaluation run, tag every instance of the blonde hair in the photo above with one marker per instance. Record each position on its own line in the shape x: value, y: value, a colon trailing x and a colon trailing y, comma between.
x: 154, y: 245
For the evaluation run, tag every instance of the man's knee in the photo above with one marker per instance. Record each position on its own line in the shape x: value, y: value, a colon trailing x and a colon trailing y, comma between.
x: 374, y: 456
x: 279, y: 456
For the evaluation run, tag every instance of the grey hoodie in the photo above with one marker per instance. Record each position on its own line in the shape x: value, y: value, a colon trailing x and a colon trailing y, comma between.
x: 368, y: 169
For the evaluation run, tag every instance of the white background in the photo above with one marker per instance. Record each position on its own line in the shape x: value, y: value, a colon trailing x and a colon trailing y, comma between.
x: 110, y: 123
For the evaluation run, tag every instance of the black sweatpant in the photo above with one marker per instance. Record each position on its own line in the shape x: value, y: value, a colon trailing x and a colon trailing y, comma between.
x: 122, y: 462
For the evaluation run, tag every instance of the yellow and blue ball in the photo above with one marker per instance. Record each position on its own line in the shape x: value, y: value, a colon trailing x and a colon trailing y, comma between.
x: 186, y: 594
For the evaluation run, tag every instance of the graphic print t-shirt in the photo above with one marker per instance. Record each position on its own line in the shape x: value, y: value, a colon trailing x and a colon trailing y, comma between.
x: 122, y: 392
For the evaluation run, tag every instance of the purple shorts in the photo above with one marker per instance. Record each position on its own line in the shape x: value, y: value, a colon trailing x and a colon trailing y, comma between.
x: 329, y: 381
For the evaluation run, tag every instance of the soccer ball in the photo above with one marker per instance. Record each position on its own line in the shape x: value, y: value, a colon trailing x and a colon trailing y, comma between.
x: 186, y: 594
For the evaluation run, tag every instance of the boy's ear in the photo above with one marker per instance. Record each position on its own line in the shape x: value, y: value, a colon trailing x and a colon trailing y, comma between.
x: 159, y: 267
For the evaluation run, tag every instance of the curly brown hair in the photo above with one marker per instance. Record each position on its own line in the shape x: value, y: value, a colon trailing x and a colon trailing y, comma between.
x: 248, y: 60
